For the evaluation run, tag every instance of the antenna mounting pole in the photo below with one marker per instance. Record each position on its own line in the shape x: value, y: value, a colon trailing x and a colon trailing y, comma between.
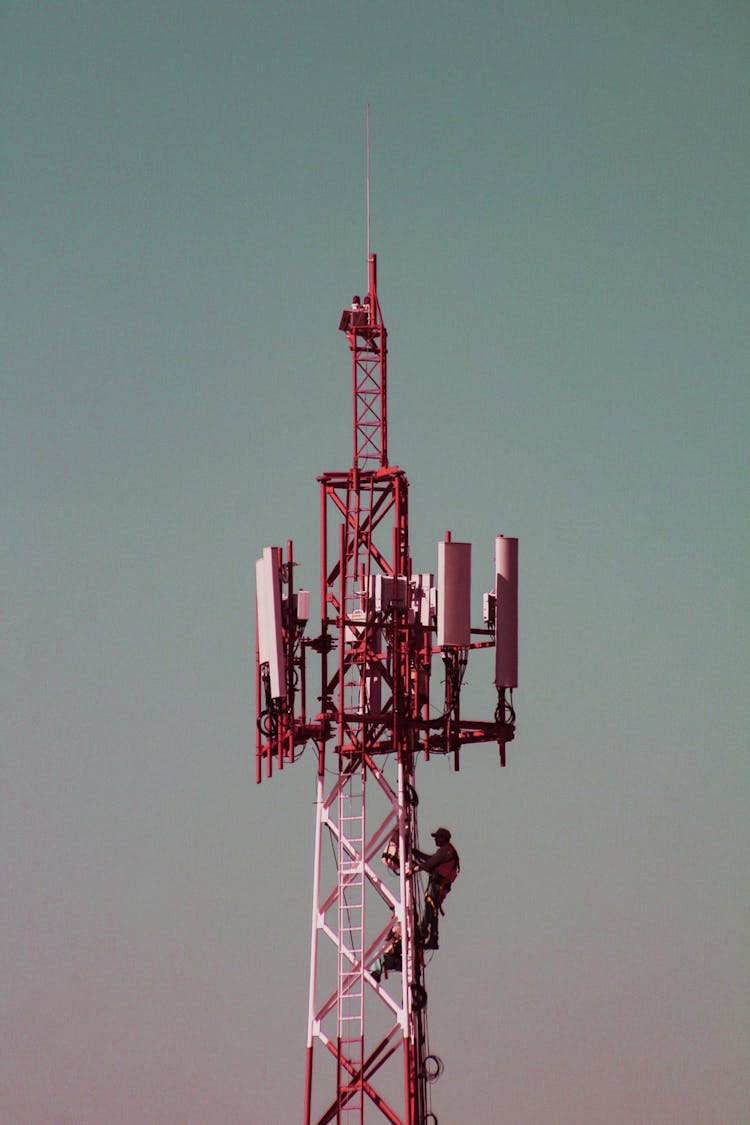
x: 368, y: 184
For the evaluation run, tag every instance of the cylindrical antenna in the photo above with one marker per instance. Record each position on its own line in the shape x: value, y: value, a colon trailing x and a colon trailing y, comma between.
x: 368, y: 182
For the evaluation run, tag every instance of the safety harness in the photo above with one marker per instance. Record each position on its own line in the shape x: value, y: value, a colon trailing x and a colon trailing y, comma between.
x: 442, y: 879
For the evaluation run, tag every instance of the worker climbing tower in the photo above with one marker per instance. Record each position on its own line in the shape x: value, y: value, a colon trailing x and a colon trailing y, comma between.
x: 383, y: 626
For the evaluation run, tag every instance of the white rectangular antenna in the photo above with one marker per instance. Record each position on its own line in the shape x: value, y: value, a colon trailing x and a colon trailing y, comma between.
x: 423, y: 586
x: 388, y: 593
x: 302, y: 598
x: 506, y: 612
x: 270, y: 636
x: 381, y: 592
x: 454, y: 594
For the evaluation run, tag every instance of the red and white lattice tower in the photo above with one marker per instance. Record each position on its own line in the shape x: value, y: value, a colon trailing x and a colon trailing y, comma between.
x: 368, y: 1057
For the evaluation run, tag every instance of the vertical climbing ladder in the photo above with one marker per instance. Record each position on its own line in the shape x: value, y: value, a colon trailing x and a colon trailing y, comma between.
x: 351, y: 922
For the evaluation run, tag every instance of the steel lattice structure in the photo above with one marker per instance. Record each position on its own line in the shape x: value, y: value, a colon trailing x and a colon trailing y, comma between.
x: 367, y: 1050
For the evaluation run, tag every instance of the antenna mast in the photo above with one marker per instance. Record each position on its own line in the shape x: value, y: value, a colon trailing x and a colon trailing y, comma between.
x: 369, y: 216
x: 381, y: 624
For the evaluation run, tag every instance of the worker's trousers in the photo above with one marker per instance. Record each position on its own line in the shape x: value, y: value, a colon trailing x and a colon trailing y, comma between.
x: 434, y: 897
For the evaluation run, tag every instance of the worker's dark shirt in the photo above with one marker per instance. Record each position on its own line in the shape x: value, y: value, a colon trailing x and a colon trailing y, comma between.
x: 446, y: 853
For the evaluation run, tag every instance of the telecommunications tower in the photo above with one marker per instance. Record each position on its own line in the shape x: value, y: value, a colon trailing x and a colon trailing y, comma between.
x: 383, y: 626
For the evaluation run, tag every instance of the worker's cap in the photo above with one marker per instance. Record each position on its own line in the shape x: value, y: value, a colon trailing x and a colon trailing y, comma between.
x: 441, y: 835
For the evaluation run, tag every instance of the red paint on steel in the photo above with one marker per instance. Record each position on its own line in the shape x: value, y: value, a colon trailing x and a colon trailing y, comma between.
x: 375, y: 650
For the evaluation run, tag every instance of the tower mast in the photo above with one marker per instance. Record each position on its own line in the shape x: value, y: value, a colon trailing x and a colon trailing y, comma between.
x: 365, y: 562
x: 381, y: 624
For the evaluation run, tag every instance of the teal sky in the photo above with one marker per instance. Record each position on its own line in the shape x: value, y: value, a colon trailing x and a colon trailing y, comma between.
x: 560, y: 211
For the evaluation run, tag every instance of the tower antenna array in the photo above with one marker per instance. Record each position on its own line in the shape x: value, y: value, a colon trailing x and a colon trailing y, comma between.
x: 382, y: 626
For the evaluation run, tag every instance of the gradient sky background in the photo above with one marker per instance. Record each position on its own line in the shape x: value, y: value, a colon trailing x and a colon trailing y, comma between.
x: 560, y: 210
